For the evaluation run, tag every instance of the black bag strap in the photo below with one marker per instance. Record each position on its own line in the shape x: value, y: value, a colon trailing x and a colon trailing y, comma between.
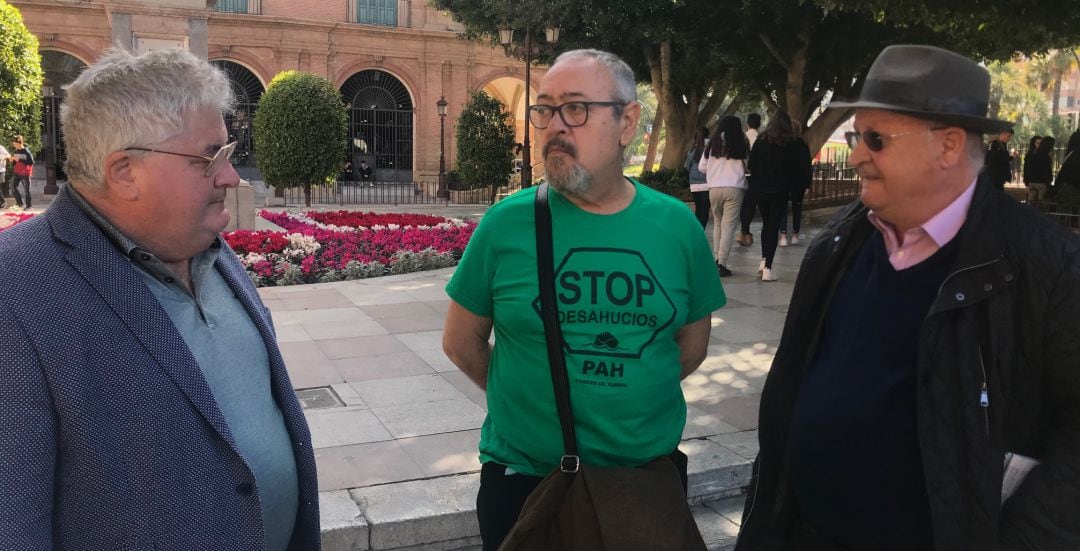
x: 545, y: 261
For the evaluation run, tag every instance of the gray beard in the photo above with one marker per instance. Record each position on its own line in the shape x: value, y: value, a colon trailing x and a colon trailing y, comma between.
x: 573, y: 181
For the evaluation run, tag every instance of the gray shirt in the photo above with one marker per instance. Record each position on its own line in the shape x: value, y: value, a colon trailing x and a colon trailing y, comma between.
x: 232, y: 356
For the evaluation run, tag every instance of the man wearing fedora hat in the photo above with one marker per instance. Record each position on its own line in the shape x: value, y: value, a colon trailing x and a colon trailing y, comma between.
x: 926, y: 390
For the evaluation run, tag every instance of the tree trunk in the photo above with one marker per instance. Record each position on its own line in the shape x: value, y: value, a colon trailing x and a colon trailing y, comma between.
x: 824, y: 126
x: 1057, y: 95
x: 654, y: 139
x: 307, y: 195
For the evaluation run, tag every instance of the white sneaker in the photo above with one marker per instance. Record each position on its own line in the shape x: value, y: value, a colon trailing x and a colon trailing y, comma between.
x: 767, y: 275
x: 761, y: 267
x: 783, y: 240
x: 795, y: 239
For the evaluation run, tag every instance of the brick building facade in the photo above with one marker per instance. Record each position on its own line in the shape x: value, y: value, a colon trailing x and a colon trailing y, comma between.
x: 392, y: 59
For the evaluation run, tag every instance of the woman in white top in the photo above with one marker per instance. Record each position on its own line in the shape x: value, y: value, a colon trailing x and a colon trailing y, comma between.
x: 724, y: 165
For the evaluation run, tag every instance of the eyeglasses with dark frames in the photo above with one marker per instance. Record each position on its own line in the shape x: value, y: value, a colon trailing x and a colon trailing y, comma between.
x: 572, y: 113
x: 213, y: 163
x: 876, y: 141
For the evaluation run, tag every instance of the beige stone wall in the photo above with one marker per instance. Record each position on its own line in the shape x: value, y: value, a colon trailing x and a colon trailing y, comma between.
x: 428, y: 57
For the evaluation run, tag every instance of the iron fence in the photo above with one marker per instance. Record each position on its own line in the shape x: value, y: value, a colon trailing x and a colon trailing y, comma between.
x: 394, y: 193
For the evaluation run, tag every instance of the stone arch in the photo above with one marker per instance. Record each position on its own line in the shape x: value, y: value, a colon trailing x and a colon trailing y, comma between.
x: 60, y: 68
x: 247, y: 87
x: 381, y: 123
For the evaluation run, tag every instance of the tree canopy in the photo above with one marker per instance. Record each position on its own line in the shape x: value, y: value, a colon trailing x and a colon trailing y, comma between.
x: 300, y: 131
x: 20, y: 79
x: 705, y: 58
x: 485, y: 143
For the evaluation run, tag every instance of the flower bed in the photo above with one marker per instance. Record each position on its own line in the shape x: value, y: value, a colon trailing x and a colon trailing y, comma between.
x: 9, y: 219
x: 319, y: 247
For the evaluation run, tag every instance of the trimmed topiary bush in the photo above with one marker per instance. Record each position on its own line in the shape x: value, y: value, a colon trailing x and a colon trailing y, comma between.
x: 300, y: 132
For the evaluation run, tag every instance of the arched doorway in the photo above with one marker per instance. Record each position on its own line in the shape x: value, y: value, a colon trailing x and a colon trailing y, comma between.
x: 510, y: 92
x: 248, y: 89
x: 380, y: 124
x: 60, y: 70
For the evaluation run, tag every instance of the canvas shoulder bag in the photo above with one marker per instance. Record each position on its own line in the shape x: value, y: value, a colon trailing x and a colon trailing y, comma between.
x: 579, y: 507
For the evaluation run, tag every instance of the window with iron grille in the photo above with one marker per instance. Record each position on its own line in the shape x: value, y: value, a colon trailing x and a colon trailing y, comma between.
x: 232, y: 6
x: 248, y: 89
x: 377, y: 12
x: 380, y: 123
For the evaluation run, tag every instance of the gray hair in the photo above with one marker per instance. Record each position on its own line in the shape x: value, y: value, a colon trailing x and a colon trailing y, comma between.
x: 126, y: 101
x: 976, y: 149
x: 621, y: 73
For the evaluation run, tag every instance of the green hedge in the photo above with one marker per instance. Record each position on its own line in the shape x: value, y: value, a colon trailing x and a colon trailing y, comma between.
x: 675, y: 183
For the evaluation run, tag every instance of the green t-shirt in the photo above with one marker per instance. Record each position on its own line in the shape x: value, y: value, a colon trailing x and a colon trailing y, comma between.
x: 626, y: 283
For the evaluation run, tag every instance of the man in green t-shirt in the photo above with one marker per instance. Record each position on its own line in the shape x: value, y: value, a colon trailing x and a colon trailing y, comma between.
x: 636, y: 288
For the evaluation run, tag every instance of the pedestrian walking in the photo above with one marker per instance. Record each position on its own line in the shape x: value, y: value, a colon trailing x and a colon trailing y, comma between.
x: 749, y: 205
x: 699, y: 187
x: 804, y: 177
x: 24, y: 167
x: 724, y: 165
x: 776, y: 163
x: 1039, y: 170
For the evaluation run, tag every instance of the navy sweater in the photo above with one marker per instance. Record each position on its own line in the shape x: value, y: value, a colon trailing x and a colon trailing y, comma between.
x: 853, y: 453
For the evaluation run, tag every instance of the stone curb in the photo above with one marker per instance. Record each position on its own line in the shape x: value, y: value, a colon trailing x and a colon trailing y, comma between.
x: 439, y: 514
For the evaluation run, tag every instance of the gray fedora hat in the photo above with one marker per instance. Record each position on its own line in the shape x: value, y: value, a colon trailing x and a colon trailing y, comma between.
x: 929, y: 83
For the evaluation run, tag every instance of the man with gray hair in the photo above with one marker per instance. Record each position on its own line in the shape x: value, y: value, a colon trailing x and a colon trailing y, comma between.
x: 145, y: 404
x: 926, y: 390
x: 636, y: 288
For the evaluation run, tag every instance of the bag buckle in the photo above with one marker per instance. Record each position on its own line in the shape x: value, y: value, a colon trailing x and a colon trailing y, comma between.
x: 570, y: 464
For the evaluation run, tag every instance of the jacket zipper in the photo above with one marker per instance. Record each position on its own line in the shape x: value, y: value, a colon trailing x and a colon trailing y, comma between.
x: 984, y: 396
x: 984, y: 393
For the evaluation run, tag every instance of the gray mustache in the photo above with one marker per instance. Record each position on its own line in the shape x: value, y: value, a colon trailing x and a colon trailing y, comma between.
x: 563, y: 145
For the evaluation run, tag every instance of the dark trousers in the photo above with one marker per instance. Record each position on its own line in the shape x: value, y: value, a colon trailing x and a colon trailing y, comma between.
x: 746, y: 212
x: 772, y: 207
x: 796, y: 211
x: 502, y: 496
x: 3, y: 185
x: 701, y: 207
x: 15, y: 190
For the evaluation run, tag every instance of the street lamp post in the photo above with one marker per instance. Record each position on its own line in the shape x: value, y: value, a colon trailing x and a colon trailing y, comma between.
x: 506, y: 37
x: 443, y: 193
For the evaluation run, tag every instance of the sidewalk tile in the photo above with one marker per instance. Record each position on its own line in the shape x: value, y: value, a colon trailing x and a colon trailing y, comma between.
x: 431, y: 417
x: 462, y: 382
x: 346, y: 467
x: 402, y: 310
x: 738, y: 411
x: 744, y: 443
x: 446, y: 453
x: 700, y: 424
x: 361, y: 347
x: 437, y: 360
x: 344, y: 314
x: 400, y: 391
x: 347, y: 393
x: 328, y: 298
x: 716, y: 530
x: 292, y: 332
x: 338, y: 427
x: 401, y: 364
x: 424, y: 322
x: 325, y: 330
x: 421, y: 512
x: 422, y: 340
x: 342, y: 524
x: 730, y: 508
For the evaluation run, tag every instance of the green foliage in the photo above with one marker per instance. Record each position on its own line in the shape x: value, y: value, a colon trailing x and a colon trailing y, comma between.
x: 485, y: 143
x: 300, y: 131
x: 672, y: 182
x: 20, y: 80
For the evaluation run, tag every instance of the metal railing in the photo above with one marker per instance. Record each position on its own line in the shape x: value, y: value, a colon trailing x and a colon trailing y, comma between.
x: 393, y: 193
x: 253, y: 7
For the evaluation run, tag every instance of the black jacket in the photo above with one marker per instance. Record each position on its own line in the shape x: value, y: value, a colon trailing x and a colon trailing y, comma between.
x: 1038, y: 169
x: 1005, y: 318
x: 778, y: 168
x: 997, y: 165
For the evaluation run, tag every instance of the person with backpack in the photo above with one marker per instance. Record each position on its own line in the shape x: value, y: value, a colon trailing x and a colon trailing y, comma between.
x: 24, y: 167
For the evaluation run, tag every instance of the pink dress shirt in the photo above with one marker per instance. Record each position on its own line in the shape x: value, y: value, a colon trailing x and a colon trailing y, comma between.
x: 922, y: 242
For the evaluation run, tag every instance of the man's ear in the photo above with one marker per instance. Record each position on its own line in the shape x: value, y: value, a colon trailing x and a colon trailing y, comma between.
x: 630, y: 117
x: 954, y: 145
x: 120, y: 176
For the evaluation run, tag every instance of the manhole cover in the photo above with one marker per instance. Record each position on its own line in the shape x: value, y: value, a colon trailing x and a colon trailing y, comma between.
x: 317, y: 398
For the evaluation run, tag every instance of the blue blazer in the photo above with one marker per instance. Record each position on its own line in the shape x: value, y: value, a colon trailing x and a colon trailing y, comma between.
x: 110, y: 438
